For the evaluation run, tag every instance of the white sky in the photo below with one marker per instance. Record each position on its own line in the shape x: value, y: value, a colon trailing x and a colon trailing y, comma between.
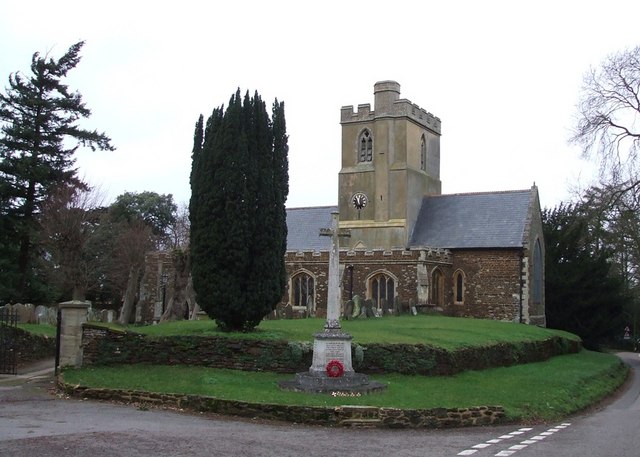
x: 503, y: 76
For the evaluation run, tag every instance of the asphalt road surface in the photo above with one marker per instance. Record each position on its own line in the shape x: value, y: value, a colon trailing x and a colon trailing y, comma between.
x: 35, y: 422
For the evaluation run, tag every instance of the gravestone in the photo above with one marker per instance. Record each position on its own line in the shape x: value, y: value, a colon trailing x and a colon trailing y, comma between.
x: 348, y: 310
x: 26, y: 313
x: 52, y: 315
x: 357, y: 306
x: 368, y: 308
x: 41, y: 314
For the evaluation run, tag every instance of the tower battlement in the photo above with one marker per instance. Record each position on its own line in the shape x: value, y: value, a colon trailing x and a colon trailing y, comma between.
x: 388, y: 104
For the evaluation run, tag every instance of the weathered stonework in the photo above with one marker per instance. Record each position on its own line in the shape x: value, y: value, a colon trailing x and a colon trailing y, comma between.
x: 103, y: 346
x: 351, y: 416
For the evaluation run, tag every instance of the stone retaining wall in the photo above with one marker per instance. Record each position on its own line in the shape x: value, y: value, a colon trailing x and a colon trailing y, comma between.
x: 102, y: 346
x: 368, y: 416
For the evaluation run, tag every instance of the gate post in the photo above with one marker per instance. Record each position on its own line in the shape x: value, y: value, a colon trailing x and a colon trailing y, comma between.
x: 73, y: 314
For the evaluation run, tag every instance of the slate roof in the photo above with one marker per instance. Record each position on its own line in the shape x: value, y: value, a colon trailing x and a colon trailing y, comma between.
x: 478, y: 220
x: 304, y: 224
x: 456, y: 221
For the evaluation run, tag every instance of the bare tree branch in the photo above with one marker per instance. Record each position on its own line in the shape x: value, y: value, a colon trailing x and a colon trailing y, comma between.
x: 608, y: 126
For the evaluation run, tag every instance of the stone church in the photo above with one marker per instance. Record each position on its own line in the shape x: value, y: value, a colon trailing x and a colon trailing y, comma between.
x: 409, y: 246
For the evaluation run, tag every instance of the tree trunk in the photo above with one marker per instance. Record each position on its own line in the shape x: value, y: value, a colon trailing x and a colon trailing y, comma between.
x: 129, y: 297
x: 194, y: 309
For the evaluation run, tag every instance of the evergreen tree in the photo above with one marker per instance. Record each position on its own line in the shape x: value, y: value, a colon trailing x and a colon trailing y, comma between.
x: 583, y: 293
x: 238, y: 231
x: 40, y: 134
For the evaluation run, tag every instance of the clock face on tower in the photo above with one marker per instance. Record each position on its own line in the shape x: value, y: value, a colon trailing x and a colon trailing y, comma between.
x: 359, y: 200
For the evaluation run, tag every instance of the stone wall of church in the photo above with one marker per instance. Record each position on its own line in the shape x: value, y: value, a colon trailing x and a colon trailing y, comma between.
x: 403, y: 266
x: 534, y: 310
x: 492, y: 284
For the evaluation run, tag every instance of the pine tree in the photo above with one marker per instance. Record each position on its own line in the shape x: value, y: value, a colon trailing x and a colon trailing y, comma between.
x: 38, y: 116
x: 239, y: 188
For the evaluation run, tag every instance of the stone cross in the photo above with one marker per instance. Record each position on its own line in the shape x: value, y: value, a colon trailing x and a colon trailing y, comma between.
x: 333, y: 287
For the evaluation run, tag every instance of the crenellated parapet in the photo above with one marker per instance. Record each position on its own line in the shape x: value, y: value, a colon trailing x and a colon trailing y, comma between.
x: 399, y: 108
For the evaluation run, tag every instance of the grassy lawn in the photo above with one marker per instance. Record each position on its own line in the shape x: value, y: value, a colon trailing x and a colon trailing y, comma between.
x: 538, y: 391
x: 39, y: 329
x: 446, y: 332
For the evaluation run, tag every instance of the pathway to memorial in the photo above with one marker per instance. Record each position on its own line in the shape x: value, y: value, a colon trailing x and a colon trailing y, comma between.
x: 34, y: 422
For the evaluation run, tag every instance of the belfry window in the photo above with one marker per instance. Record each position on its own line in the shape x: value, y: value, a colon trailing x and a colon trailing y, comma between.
x: 303, y: 290
x: 423, y: 154
x: 382, y: 288
x: 365, y: 146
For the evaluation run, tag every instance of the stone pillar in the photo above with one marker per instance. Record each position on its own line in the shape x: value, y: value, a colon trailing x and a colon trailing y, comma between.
x: 73, y: 315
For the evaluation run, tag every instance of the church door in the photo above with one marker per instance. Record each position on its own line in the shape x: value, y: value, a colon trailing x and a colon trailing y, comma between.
x: 437, y: 288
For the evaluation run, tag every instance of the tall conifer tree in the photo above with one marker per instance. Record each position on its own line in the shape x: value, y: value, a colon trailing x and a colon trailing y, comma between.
x: 39, y: 135
x: 239, y: 188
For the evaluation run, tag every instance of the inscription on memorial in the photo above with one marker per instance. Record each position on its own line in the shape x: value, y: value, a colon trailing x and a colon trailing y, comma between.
x: 334, y: 350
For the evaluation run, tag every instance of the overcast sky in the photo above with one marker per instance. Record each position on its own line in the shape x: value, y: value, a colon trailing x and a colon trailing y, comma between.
x: 503, y: 76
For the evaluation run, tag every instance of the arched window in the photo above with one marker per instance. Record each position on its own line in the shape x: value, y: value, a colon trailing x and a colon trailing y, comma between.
x: 437, y: 287
x: 423, y: 154
x: 537, y: 273
x: 382, y: 288
x: 365, y: 146
x: 458, y: 286
x: 303, y: 290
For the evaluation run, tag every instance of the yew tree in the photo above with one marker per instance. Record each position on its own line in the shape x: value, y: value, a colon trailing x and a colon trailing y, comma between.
x: 239, y: 185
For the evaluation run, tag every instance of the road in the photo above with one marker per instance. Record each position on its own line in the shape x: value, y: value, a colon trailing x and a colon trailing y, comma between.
x: 33, y: 422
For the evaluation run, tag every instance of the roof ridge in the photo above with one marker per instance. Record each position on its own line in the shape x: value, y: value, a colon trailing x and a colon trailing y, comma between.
x: 496, y: 192
x: 312, y: 207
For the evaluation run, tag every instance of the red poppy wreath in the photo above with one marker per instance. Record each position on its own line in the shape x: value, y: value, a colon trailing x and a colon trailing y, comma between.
x: 335, y: 369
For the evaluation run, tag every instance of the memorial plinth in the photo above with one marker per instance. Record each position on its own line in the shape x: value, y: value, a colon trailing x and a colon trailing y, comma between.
x: 331, y: 369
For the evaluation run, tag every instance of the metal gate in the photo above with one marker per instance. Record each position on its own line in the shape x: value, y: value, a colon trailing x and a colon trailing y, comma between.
x: 8, y: 349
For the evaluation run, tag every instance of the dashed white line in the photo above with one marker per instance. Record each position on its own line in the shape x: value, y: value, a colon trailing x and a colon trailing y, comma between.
x: 505, y: 453
x: 516, y: 447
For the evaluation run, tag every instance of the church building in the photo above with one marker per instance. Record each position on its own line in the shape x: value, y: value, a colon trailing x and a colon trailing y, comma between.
x: 406, y: 245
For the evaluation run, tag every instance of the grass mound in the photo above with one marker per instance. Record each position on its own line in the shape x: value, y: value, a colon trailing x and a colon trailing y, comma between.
x: 445, y: 332
x: 538, y: 391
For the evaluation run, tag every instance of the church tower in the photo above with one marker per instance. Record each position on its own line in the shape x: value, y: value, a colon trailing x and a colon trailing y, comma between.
x: 390, y: 161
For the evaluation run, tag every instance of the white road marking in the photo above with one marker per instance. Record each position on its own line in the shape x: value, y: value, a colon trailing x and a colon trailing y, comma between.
x: 516, y: 447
